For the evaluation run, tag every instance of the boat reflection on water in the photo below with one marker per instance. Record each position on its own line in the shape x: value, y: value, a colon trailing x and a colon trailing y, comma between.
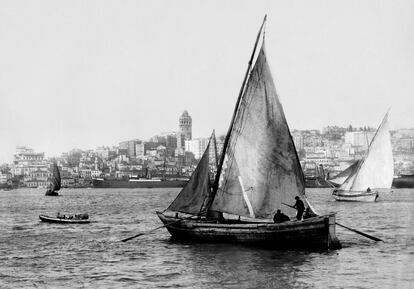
x: 238, y: 265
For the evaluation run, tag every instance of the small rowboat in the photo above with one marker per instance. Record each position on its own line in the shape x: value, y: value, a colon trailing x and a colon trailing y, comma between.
x: 49, y: 219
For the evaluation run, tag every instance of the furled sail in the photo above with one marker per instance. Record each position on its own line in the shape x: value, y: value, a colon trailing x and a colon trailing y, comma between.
x: 342, y: 176
x: 192, y: 198
x: 55, y: 179
x: 376, y: 170
x: 261, y: 169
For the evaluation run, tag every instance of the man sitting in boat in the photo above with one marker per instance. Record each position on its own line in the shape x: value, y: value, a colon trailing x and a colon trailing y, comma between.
x: 369, y: 190
x: 280, y: 217
x: 300, y: 207
x: 309, y: 214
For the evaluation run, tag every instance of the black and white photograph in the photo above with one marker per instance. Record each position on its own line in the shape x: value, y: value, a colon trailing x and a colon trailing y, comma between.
x: 206, y: 144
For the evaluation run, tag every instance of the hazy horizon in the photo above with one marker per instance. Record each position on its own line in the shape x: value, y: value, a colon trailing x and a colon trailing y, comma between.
x: 77, y: 74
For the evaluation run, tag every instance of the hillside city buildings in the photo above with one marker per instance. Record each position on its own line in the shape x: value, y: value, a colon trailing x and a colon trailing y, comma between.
x: 175, y: 154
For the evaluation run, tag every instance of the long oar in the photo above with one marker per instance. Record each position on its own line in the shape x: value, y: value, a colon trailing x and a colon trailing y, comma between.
x: 353, y: 230
x: 288, y: 205
x: 361, y: 233
x: 155, y: 229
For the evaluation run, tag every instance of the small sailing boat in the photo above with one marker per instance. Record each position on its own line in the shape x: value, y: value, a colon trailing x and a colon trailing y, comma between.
x: 374, y: 171
x: 257, y: 173
x: 54, y: 182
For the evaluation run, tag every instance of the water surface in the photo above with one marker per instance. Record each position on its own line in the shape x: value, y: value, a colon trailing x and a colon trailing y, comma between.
x: 41, y: 255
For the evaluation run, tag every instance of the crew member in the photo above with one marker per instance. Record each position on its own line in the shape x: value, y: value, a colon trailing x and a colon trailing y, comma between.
x: 309, y: 214
x: 280, y: 217
x: 300, y: 207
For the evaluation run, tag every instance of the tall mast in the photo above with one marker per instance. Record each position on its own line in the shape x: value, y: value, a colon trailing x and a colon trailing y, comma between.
x: 226, y: 140
x: 215, y: 149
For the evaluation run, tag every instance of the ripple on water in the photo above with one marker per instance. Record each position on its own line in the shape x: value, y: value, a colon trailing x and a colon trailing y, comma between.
x: 32, y: 252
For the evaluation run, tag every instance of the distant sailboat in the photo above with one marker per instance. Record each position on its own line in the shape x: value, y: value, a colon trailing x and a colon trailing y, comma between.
x: 258, y: 172
x: 374, y: 171
x: 54, y: 182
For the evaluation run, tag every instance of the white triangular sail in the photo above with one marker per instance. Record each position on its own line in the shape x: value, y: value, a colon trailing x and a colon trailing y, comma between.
x: 261, y: 169
x: 376, y: 170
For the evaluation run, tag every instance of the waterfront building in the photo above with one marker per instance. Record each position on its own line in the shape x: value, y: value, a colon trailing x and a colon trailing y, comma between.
x: 5, y: 177
x: 37, y: 179
x: 27, y: 161
x: 85, y: 173
x: 68, y: 182
x: 95, y: 173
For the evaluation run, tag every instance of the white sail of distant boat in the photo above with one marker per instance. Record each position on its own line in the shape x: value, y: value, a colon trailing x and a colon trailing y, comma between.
x: 375, y: 170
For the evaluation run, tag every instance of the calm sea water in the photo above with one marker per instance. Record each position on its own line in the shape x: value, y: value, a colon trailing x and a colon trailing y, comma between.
x: 41, y: 255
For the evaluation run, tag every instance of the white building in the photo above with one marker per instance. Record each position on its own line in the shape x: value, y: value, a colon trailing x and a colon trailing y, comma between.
x: 139, y: 149
x: 4, y: 178
x: 359, y: 138
x: 27, y: 161
x: 196, y: 146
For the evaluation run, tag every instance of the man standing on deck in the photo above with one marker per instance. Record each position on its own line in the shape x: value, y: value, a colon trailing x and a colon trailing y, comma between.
x: 300, y: 207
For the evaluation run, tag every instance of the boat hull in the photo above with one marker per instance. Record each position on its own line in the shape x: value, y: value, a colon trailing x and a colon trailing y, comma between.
x: 51, y: 194
x: 355, y: 196
x: 48, y: 219
x: 404, y: 182
x: 98, y: 183
x: 317, y: 232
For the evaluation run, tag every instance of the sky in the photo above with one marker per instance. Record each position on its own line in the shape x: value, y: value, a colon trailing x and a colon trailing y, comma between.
x: 81, y: 74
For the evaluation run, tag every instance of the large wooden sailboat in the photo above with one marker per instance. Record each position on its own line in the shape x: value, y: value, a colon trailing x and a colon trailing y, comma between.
x: 374, y: 171
x: 55, y: 182
x: 258, y: 171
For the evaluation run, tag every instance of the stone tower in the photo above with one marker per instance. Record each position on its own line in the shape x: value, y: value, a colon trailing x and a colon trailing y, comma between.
x: 185, y: 125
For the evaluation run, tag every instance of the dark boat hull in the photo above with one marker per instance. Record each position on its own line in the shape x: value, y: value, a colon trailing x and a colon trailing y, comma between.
x: 52, y: 194
x: 48, y: 219
x: 97, y: 183
x: 404, y: 182
x: 317, y: 232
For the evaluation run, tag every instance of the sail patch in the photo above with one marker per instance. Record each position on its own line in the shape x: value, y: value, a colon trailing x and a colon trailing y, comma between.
x: 246, y: 198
